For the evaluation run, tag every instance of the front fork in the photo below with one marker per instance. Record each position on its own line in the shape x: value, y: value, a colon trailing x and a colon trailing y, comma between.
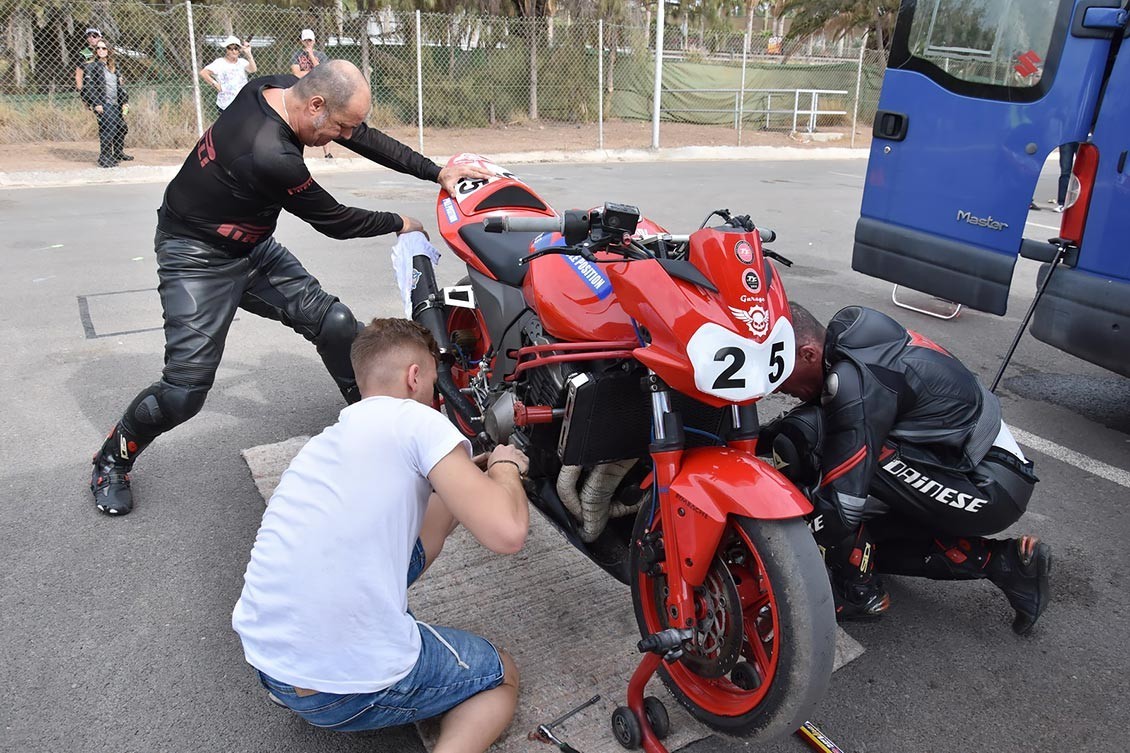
x: 683, y: 571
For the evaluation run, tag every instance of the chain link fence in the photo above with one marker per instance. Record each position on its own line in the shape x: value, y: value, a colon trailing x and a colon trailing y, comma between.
x: 556, y: 83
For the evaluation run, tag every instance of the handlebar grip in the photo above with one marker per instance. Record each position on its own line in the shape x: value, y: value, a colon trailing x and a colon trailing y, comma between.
x: 524, y: 224
x: 767, y: 236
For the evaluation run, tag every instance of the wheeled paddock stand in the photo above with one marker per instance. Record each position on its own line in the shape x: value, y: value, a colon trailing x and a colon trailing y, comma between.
x: 644, y: 721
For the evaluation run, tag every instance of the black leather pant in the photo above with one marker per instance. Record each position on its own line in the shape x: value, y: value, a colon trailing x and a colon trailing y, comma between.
x: 111, y: 133
x: 201, y: 288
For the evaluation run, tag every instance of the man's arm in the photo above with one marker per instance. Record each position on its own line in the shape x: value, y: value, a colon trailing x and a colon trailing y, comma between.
x: 286, y: 177
x: 491, y: 505
x: 858, y: 416
x: 385, y: 150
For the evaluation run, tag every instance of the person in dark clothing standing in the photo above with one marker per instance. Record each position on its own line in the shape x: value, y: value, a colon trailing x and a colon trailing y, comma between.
x: 216, y: 251
x: 105, y: 94
x: 86, y: 55
x: 907, y: 463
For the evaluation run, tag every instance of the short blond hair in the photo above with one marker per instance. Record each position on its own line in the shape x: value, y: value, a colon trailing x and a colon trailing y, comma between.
x: 380, y: 337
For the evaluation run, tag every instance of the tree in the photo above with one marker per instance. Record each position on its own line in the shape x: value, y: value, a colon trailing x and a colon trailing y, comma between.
x: 838, y: 17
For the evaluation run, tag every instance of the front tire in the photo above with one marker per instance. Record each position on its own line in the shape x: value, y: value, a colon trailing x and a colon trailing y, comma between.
x: 787, y: 629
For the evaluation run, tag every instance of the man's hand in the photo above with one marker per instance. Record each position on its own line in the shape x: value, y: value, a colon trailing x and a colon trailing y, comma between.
x: 451, y: 174
x: 510, y: 457
x: 412, y: 225
x: 98, y: 109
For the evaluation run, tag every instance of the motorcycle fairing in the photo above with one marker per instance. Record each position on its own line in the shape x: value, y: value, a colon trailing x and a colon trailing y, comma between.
x: 739, y: 341
x: 460, y: 218
x: 574, y: 299
x: 717, y: 482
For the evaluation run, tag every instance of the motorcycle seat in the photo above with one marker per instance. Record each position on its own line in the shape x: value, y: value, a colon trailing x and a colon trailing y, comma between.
x: 499, y: 252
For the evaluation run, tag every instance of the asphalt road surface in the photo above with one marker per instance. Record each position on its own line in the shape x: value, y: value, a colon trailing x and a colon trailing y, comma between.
x: 116, y: 631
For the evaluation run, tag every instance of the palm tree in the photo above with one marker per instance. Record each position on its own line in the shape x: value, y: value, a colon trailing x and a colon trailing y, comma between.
x: 838, y: 17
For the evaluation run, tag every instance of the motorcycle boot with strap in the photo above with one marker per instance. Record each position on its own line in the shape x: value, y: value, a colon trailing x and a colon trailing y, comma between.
x: 109, y: 480
x: 1018, y: 567
x: 857, y: 589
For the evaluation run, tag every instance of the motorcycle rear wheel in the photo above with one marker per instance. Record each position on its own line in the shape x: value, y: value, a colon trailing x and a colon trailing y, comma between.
x: 787, y: 629
x: 468, y: 334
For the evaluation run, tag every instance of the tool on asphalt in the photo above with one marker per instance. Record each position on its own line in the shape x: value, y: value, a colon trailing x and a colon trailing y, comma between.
x: 816, y: 739
x: 544, y: 732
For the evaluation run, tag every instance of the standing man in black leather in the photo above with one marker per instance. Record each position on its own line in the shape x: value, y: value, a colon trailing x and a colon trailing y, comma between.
x: 907, y: 463
x: 216, y: 251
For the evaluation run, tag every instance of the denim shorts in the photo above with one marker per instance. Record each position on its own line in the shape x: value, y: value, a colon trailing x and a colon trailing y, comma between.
x: 453, y: 666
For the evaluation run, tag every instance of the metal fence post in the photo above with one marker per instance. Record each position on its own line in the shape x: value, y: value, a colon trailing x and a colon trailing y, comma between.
x: 195, y: 68
x: 858, y: 86
x: 659, y: 21
x: 600, y: 83
x: 419, y: 83
x: 741, y: 101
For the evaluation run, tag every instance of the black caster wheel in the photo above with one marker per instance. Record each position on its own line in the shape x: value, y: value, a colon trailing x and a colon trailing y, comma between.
x: 657, y: 717
x: 626, y: 728
x: 745, y: 676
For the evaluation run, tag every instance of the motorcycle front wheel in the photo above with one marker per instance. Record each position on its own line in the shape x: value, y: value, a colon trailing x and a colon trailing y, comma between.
x: 765, y: 626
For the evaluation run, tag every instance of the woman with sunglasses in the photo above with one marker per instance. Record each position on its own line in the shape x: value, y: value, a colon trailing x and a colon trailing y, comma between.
x: 103, y: 92
x: 228, y: 74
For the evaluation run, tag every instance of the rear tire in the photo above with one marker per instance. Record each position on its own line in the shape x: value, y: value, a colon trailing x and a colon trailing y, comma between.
x: 468, y: 335
x: 786, y: 602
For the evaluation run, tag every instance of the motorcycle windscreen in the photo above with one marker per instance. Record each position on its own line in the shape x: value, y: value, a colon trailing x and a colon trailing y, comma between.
x: 976, y: 95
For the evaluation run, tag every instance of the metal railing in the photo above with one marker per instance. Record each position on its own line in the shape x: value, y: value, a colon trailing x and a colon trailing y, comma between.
x: 745, y: 113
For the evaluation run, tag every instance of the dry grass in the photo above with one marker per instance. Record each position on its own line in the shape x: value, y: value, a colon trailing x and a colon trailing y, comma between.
x: 156, y: 124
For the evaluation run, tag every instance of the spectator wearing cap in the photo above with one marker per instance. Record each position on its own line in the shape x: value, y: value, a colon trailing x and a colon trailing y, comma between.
x: 228, y: 74
x: 86, y: 56
x: 305, y: 60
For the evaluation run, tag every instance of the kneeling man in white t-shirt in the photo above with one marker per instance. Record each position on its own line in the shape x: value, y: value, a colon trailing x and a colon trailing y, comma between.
x: 324, y: 615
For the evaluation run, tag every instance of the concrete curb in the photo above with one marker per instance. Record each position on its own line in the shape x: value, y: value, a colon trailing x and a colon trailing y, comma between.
x: 165, y: 173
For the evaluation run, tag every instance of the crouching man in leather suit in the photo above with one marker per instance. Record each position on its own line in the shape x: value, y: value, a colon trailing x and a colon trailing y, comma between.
x: 907, y: 463
x: 216, y: 251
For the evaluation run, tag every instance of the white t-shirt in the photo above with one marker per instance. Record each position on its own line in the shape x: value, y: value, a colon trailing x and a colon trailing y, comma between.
x: 325, y: 597
x: 231, y: 77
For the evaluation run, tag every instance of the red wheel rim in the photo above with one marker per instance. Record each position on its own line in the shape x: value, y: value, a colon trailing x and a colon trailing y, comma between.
x: 761, y: 628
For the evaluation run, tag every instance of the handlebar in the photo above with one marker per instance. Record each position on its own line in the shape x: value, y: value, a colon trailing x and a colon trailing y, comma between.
x: 524, y: 224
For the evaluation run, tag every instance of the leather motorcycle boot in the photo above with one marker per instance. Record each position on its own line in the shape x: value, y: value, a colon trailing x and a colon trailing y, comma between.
x: 1020, y: 568
x: 857, y: 589
x: 109, y: 480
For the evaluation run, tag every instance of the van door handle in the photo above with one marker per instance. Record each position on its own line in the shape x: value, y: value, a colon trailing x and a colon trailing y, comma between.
x: 890, y: 125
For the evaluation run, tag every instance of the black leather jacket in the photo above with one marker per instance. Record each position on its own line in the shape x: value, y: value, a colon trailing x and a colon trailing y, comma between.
x: 94, y: 85
x: 886, y: 385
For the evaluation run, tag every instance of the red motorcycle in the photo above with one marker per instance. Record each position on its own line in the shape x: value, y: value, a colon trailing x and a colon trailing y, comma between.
x: 626, y: 362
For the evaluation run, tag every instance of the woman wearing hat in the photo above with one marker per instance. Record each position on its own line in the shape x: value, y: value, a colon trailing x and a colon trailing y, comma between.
x: 306, y: 60
x: 228, y: 74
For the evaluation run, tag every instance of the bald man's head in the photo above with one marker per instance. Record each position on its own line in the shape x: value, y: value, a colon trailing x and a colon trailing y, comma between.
x: 333, y: 99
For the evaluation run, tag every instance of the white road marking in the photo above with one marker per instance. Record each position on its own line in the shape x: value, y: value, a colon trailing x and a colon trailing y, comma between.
x: 844, y: 175
x: 1059, y: 452
x: 1046, y: 227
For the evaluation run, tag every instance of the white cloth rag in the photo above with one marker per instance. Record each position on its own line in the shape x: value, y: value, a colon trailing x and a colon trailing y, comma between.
x: 408, y: 246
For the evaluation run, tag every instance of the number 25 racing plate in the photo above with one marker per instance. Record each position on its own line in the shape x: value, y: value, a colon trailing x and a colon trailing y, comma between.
x: 736, y: 368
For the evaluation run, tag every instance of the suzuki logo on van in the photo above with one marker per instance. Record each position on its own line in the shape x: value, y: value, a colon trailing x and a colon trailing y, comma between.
x: 989, y: 222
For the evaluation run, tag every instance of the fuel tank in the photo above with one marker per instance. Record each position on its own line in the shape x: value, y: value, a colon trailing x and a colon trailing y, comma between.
x: 573, y: 297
